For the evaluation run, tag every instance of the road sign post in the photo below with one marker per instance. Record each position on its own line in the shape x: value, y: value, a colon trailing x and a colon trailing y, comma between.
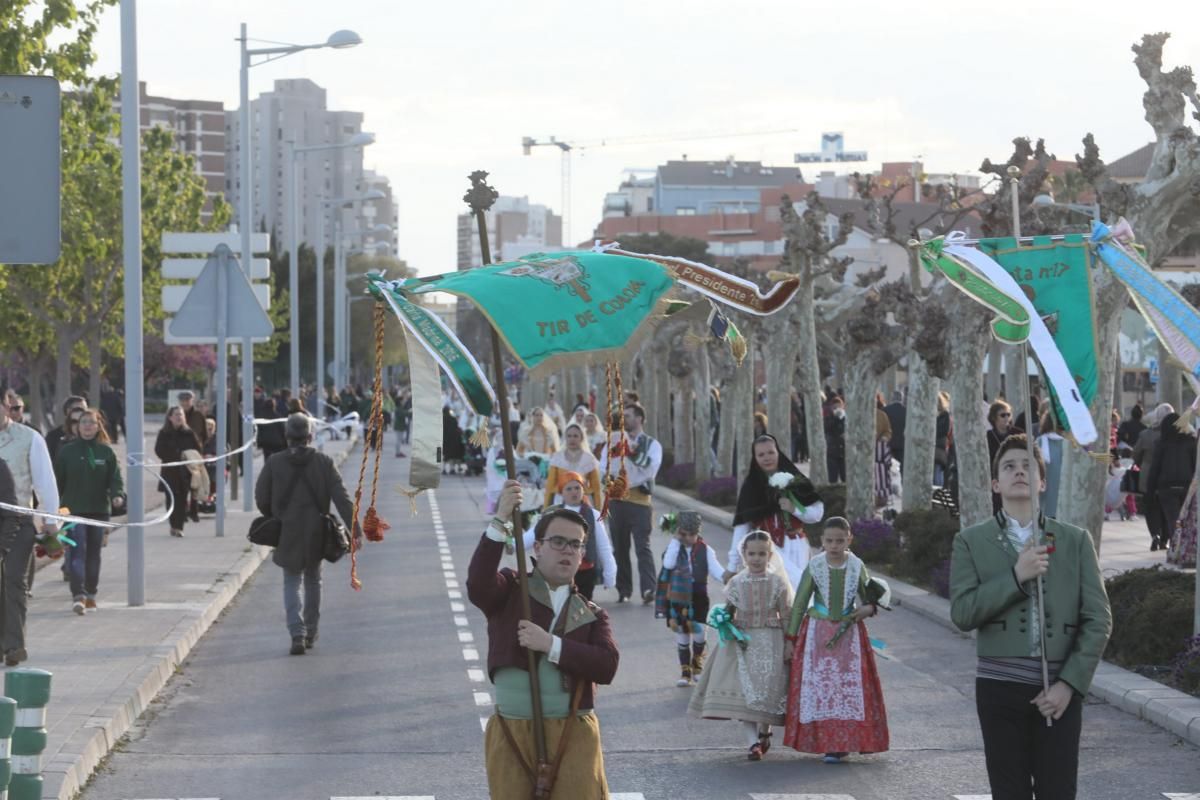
x: 222, y: 304
x: 30, y: 163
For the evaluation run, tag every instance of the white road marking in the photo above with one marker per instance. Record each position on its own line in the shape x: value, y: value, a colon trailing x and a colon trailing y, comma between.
x: 1182, y: 795
x: 973, y: 797
x: 450, y: 584
x: 800, y: 796
x: 470, y: 654
x: 483, y: 699
x: 466, y: 637
x: 454, y: 593
x: 483, y: 721
x: 389, y: 797
x: 461, y: 621
x: 627, y: 796
x: 457, y: 607
x: 476, y: 675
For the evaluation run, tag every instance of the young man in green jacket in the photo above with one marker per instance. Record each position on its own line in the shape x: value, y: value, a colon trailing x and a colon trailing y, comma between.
x: 993, y: 587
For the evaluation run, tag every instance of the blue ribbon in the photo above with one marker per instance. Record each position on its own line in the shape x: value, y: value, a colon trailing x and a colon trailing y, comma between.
x: 720, y: 619
x: 1139, y: 280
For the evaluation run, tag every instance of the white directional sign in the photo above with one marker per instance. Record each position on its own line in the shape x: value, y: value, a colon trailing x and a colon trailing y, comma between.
x: 173, y: 297
x: 221, y: 303
x: 30, y: 170
x: 207, y: 242
x: 188, y: 269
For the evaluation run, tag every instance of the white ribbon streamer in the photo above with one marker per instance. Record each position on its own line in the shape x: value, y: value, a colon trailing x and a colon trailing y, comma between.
x: 1079, y: 417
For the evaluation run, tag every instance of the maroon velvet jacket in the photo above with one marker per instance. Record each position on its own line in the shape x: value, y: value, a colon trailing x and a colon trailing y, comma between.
x: 589, y: 652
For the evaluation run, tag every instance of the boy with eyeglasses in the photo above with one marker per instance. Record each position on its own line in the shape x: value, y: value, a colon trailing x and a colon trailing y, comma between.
x: 575, y: 650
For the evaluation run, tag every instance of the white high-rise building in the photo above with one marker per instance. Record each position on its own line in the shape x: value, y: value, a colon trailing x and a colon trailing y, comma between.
x: 516, y: 228
x: 296, y: 112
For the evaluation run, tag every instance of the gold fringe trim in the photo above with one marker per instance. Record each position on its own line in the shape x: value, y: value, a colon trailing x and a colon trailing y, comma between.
x: 481, y: 438
x: 411, y: 494
x: 739, y: 349
x: 1184, y: 423
x: 777, y: 276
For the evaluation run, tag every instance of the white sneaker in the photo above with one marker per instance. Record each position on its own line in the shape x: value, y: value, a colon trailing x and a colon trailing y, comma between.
x: 77, y: 607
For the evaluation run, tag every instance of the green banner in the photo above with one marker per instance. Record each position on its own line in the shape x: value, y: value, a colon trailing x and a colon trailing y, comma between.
x: 1011, y: 324
x: 1056, y: 276
x: 579, y: 304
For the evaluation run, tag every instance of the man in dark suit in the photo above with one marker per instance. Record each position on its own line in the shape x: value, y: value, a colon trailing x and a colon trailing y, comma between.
x: 897, y: 415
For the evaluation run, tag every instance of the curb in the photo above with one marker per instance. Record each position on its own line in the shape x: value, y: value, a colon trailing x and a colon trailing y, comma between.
x: 67, y: 774
x: 1170, y: 709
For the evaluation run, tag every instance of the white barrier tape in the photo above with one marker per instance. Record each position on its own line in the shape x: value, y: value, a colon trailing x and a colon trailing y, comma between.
x: 31, y: 717
x: 27, y: 765
x: 5, y: 748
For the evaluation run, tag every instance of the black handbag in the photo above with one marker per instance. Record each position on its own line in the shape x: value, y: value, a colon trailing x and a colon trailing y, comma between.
x: 266, y: 531
x: 335, y: 540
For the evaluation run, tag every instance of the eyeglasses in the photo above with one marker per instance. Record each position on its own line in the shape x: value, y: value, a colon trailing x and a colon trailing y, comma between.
x: 561, y: 543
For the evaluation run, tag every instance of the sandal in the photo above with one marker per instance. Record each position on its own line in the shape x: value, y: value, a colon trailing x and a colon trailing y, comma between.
x: 764, y: 742
x: 756, y: 752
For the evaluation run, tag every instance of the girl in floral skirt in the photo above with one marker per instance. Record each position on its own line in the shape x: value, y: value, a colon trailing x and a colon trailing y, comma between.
x: 746, y: 677
x: 835, y: 703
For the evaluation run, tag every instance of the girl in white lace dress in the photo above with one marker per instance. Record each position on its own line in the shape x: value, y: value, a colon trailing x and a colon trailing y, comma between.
x: 746, y: 680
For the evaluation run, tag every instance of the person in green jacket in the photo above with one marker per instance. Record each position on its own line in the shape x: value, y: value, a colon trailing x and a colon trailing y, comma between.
x: 87, y: 470
x: 1030, y: 734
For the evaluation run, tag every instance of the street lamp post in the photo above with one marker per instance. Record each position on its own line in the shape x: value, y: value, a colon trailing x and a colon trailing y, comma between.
x: 338, y: 40
x: 358, y: 140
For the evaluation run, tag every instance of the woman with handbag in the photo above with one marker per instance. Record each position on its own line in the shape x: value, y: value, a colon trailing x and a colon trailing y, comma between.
x: 296, y: 487
x: 87, y: 470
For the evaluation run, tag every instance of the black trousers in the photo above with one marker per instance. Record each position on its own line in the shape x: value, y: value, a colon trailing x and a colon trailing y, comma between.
x: 16, y: 550
x: 1026, y: 759
x: 585, y: 582
x: 630, y: 525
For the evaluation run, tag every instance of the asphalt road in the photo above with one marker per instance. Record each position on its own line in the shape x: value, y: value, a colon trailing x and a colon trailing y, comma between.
x: 389, y: 702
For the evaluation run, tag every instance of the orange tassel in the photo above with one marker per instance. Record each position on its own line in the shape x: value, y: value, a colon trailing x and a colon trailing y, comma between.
x: 373, y: 526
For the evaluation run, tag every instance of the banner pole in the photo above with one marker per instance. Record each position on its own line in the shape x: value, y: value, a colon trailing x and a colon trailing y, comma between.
x: 480, y: 198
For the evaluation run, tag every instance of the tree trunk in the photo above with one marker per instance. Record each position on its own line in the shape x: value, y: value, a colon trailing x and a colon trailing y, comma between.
x: 992, y: 388
x: 920, y: 429
x: 1170, y: 380
x: 37, y: 404
x: 1083, y: 479
x: 810, y: 385
x: 726, y: 435
x: 701, y: 428
x: 62, y: 367
x: 1014, y: 373
x: 684, y: 421
x: 743, y: 420
x: 780, y: 372
x: 95, y: 366
x: 860, y: 438
x: 970, y: 434
x: 660, y: 414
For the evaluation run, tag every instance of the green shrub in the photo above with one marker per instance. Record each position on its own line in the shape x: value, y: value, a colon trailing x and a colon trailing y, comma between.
x: 1152, y: 616
x: 926, y: 541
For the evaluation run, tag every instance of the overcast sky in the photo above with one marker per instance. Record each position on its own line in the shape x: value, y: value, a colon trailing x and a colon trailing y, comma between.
x: 453, y: 86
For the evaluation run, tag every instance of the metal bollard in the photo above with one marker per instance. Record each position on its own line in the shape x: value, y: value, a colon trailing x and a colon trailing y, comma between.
x: 30, y: 688
x: 8, y: 719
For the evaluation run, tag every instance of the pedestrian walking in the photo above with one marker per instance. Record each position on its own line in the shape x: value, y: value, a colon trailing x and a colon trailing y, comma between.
x: 28, y: 461
x: 1171, y: 473
x: 594, y: 432
x: 576, y: 650
x: 943, y: 440
x: 88, y: 471
x: 994, y: 590
x: 1000, y: 427
x: 1052, y: 444
x: 1143, y: 457
x: 681, y: 597
x: 746, y: 679
x: 296, y: 487
x: 538, y: 435
x: 112, y: 404
x: 1129, y: 430
x: 270, y: 437
x: 882, y: 472
x: 835, y: 701
x: 630, y: 517
x: 574, y: 458
x: 174, y: 439
x: 835, y: 440
x: 898, y: 419
x: 781, y: 512
x: 72, y: 407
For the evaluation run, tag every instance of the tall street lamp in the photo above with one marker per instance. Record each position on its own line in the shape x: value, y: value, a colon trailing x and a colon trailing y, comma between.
x: 338, y: 40
x: 357, y: 140
x: 339, y: 285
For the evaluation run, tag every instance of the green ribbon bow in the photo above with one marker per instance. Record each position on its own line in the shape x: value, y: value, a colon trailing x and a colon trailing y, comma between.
x: 1011, y: 324
x: 720, y: 619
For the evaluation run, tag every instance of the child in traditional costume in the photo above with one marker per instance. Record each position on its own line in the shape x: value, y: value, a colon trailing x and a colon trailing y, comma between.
x: 682, y: 595
x: 746, y: 677
x: 835, y: 703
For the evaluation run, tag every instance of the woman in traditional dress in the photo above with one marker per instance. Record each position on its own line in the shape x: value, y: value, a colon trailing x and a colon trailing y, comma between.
x: 782, y: 514
x: 883, y: 455
x: 537, y: 435
x: 597, y: 437
x: 574, y: 457
x: 835, y: 702
x: 748, y: 681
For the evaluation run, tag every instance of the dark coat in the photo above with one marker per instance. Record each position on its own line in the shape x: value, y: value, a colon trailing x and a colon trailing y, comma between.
x: 589, y: 652
x: 898, y: 417
x: 169, y: 446
x: 301, y: 542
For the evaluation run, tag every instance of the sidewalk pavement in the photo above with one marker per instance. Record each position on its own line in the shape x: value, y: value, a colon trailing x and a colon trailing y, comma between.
x: 1123, y: 546
x: 110, y: 664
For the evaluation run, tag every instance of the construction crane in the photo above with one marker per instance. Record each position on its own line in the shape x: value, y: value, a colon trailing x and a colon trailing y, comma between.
x: 527, y: 144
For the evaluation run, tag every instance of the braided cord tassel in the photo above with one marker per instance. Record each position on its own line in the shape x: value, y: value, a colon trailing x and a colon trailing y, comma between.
x: 373, y: 524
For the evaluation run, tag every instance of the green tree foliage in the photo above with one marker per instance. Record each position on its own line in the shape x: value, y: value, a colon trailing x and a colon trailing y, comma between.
x: 667, y: 244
